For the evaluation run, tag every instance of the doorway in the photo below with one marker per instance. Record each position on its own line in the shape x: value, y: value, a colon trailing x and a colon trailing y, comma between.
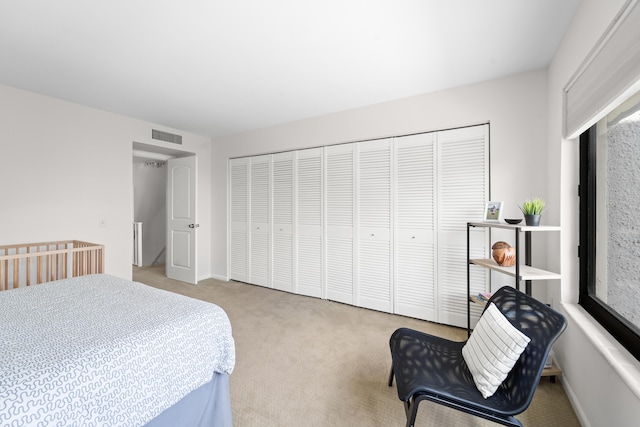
x: 150, y: 199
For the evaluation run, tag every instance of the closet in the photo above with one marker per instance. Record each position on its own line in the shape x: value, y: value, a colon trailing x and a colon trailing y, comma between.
x: 379, y: 224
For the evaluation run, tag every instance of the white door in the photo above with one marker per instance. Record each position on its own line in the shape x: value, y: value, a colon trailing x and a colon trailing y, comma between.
x: 463, y: 183
x: 309, y: 232
x: 415, y: 262
x: 282, y: 260
x: 374, y: 225
x: 182, y: 225
x: 339, y: 220
x: 260, y: 234
x: 239, y: 219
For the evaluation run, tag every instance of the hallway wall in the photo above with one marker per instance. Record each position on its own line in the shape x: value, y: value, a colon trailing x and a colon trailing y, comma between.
x: 150, y: 208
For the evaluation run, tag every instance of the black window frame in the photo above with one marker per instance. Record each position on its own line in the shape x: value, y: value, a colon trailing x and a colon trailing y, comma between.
x: 620, y: 328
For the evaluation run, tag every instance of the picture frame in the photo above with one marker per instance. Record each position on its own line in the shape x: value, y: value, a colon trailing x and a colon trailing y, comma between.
x: 493, y: 212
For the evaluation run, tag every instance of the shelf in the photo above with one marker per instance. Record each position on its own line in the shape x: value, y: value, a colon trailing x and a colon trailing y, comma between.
x: 521, y: 227
x: 522, y: 271
x: 526, y: 272
x: 477, y: 300
x: 551, y: 371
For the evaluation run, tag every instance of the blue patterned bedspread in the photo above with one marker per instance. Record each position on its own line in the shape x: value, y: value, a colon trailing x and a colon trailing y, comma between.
x: 103, y: 351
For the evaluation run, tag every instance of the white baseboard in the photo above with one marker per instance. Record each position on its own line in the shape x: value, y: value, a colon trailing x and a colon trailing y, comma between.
x: 218, y: 277
x: 584, y: 421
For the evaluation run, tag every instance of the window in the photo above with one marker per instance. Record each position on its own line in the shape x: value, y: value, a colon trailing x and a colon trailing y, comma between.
x: 610, y: 223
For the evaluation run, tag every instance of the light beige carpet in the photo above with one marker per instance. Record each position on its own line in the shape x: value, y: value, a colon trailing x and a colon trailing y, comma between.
x: 303, y: 361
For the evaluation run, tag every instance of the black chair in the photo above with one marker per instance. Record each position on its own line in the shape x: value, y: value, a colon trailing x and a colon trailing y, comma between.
x: 427, y: 367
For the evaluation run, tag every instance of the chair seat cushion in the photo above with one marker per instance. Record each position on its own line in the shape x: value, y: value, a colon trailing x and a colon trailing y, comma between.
x: 492, y: 350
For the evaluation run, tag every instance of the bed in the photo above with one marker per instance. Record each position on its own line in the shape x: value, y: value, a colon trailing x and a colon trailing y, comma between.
x: 97, y: 350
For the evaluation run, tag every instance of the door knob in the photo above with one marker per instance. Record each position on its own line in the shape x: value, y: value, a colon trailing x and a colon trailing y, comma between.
x: 194, y: 225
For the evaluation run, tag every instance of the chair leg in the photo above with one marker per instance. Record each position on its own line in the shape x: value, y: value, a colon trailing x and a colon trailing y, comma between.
x: 411, y: 409
x: 391, y: 377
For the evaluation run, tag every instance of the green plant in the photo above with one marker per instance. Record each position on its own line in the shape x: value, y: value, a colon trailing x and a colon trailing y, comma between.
x: 533, y: 206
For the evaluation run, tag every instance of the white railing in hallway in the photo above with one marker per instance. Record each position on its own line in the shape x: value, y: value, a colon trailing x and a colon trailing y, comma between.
x: 137, y: 244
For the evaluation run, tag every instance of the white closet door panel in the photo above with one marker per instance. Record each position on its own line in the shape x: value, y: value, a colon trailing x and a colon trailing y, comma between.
x: 374, y: 275
x: 452, y: 275
x: 239, y: 256
x: 452, y: 299
x: 415, y: 182
x: 374, y: 266
x: 374, y: 184
x: 282, y: 268
x: 260, y: 190
x: 463, y: 176
x: 309, y: 265
x: 463, y: 184
x: 339, y: 222
x: 479, y: 248
x: 282, y: 258
x: 309, y: 230
x: 340, y: 269
x: 260, y: 214
x: 239, y: 169
x: 309, y: 187
x: 415, y: 277
x: 340, y: 186
x: 415, y: 259
x: 309, y: 219
x: 379, y: 234
x: 239, y: 219
x: 282, y: 167
x: 260, y: 267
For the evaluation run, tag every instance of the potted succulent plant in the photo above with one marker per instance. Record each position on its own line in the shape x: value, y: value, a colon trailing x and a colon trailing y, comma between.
x: 532, y: 209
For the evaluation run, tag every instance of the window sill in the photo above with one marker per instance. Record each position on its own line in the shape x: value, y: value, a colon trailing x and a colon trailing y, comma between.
x: 622, y: 362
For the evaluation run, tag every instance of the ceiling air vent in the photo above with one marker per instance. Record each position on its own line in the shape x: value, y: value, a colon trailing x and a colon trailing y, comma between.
x: 166, y: 136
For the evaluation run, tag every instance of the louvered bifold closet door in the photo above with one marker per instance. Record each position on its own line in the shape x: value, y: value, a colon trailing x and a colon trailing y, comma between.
x: 339, y: 222
x: 282, y: 259
x: 260, y: 202
x: 414, y: 253
x: 239, y: 219
x: 374, y: 271
x: 463, y: 183
x: 309, y: 195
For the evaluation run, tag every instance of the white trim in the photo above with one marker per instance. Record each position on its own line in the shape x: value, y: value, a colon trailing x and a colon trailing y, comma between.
x: 621, y: 361
x: 575, y: 402
x: 150, y: 155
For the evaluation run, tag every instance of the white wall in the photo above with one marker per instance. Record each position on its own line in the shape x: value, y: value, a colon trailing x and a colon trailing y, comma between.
x: 515, y: 106
x: 593, y: 375
x: 64, y: 166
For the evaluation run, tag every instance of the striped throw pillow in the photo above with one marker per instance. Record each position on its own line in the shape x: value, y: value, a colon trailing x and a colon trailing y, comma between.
x: 492, y: 350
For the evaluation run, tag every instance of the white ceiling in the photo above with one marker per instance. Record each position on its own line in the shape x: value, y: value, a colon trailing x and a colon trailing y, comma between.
x: 219, y: 67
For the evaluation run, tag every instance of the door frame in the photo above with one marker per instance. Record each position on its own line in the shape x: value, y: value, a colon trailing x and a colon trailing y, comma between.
x: 158, y: 153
